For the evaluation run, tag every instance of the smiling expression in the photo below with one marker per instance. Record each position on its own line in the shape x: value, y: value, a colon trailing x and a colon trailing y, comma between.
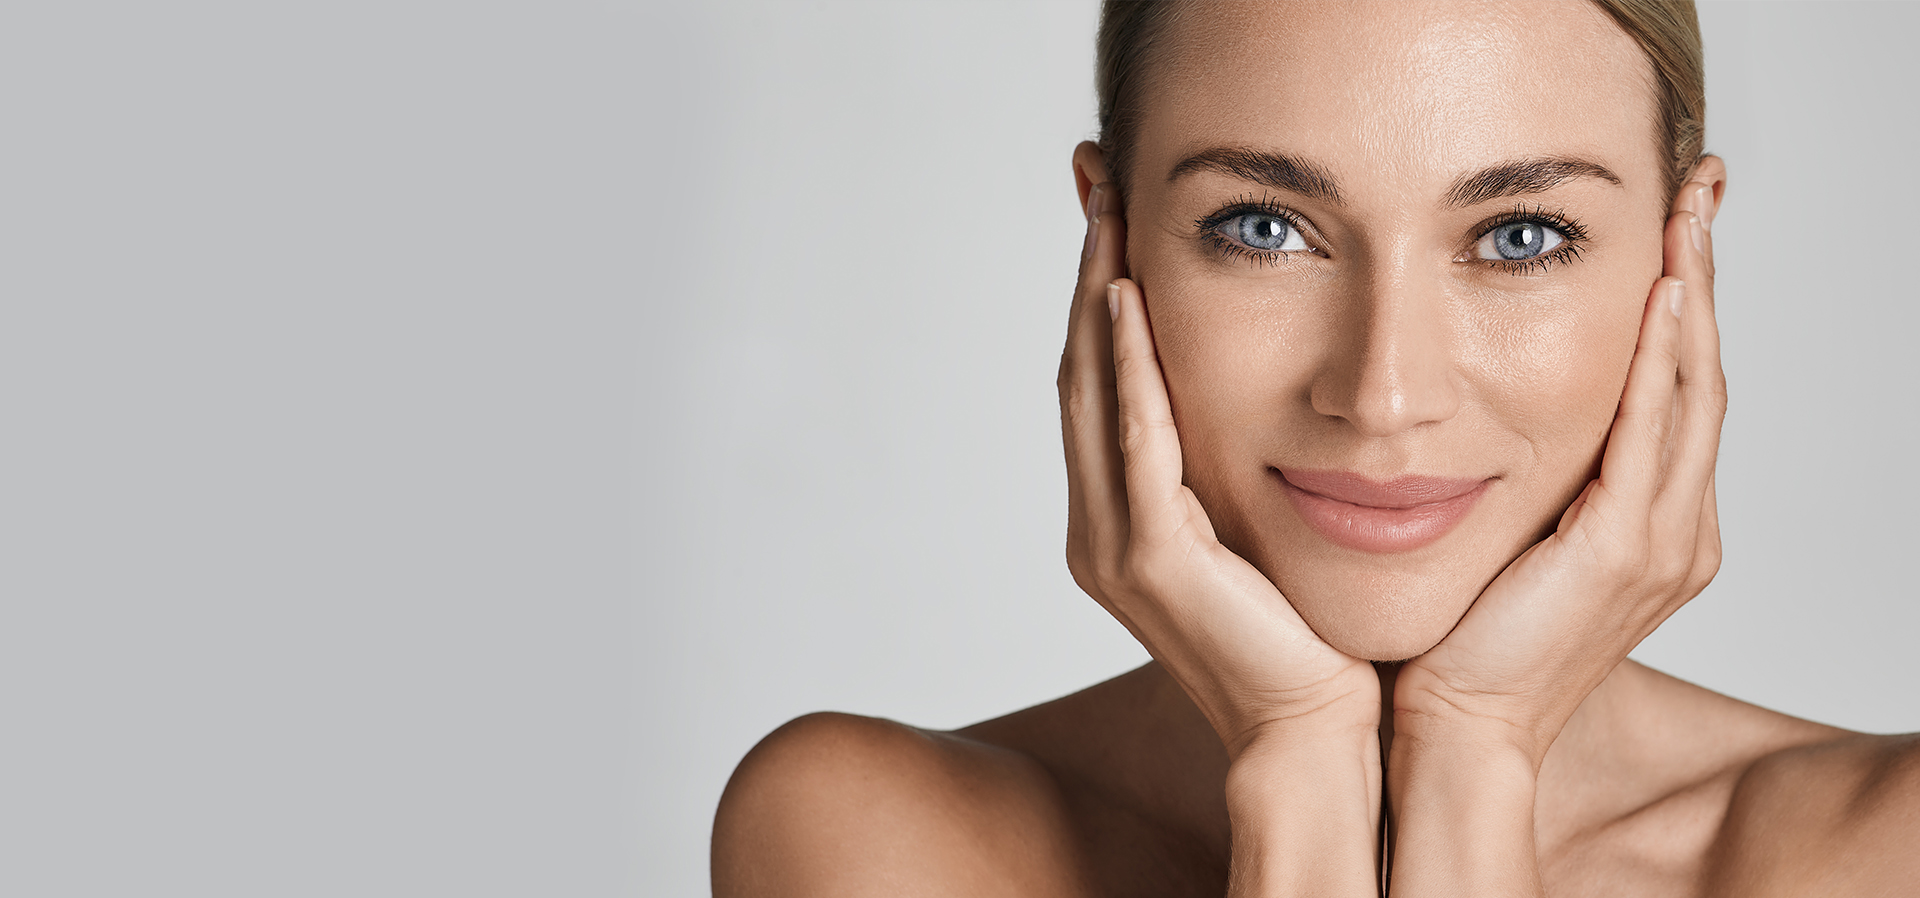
x: 1394, y: 256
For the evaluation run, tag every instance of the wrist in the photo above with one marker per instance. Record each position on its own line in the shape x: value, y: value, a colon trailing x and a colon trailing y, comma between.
x: 1293, y: 756
x: 1451, y: 751
x: 1339, y: 711
x: 1463, y: 815
x: 1304, y: 807
x: 1426, y: 713
x: 1427, y: 735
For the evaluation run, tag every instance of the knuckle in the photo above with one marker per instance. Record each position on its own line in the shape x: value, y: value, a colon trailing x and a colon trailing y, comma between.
x: 1703, y: 572
x: 1708, y: 556
x: 1078, y: 404
x: 1713, y: 396
x: 1082, y: 577
x: 1667, y: 353
x: 1109, y: 571
x: 1632, y: 562
x: 1134, y: 434
x: 1709, y: 568
x: 1672, y: 569
x: 1137, y: 568
x: 1080, y: 555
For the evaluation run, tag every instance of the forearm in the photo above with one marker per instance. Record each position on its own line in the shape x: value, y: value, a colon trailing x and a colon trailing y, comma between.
x: 1306, y: 816
x: 1462, y: 816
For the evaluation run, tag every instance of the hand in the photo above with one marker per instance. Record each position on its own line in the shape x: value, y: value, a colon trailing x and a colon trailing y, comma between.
x: 1639, y: 542
x: 1140, y: 544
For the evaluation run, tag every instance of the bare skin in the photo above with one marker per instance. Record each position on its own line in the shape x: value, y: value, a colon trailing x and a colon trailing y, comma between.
x: 1325, y: 715
x: 1657, y: 787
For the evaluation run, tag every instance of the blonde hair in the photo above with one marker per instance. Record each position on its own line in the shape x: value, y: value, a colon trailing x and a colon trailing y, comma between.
x: 1133, y: 32
x: 1668, y: 31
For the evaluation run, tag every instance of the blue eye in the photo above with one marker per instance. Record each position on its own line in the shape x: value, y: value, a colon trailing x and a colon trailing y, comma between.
x: 1264, y: 232
x: 1518, y: 240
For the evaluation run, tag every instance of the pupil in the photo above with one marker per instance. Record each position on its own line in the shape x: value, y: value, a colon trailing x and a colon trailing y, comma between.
x: 1263, y: 231
x: 1521, y: 241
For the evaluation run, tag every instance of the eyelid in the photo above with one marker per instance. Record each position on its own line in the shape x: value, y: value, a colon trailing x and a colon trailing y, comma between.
x: 1567, y: 226
x: 1247, y: 205
x: 1238, y: 208
x: 1573, y: 240
x: 1573, y: 234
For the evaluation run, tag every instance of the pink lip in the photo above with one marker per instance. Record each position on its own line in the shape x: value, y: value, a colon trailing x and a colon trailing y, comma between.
x: 1400, y: 515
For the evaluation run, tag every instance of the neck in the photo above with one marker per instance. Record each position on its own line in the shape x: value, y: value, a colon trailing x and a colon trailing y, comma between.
x: 1388, y: 671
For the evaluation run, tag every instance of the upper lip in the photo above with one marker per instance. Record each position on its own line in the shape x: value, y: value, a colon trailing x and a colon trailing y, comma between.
x: 1405, y: 491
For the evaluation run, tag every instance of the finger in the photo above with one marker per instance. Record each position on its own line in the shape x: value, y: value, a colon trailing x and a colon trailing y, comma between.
x: 1573, y: 511
x: 1700, y: 400
x: 1697, y: 197
x: 1095, y: 488
x: 1630, y: 468
x: 1695, y: 268
x: 1149, y: 443
x: 1706, y: 558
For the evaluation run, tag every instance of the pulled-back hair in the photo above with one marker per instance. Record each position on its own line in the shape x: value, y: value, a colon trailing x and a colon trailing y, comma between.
x: 1133, y: 33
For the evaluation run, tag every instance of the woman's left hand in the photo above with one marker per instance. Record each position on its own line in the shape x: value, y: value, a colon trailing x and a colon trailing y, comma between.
x: 1639, y: 542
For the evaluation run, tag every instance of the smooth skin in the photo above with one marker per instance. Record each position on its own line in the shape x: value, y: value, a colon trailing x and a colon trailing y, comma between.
x: 1514, y: 751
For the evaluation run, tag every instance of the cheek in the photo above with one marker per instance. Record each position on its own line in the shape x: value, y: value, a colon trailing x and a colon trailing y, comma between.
x: 1230, y: 353
x: 1541, y: 368
x: 1553, y: 376
x: 1230, y: 339
x: 1557, y: 376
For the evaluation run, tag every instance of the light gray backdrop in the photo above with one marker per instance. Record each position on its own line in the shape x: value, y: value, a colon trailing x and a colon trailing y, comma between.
x: 439, y: 439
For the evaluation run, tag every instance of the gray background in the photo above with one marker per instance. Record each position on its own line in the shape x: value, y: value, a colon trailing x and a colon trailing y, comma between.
x: 441, y: 438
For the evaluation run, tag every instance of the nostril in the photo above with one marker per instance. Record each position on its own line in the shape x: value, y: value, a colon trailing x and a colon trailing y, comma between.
x: 1382, y: 397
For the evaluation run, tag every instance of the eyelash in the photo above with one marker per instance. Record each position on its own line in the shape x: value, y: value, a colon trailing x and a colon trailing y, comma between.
x: 1571, y: 230
x: 1246, y: 205
x: 1573, y: 233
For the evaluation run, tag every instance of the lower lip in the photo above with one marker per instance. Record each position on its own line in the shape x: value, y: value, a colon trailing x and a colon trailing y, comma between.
x: 1369, y: 529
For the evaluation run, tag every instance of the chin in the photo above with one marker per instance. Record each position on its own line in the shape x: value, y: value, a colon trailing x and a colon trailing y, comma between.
x: 1381, y: 622
x: 1386, y: 607
x: 1380, y: 605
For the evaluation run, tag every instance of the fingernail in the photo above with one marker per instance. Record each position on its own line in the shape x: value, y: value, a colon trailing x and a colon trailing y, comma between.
x: 1703, y: 207
x: 1093, y: 232
x: 1113, y: 301
x: 1096, y: 198
x: 1699, y: 236
x: 1676, y: 295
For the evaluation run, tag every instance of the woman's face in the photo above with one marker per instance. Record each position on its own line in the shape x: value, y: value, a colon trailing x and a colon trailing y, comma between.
x: 1395, y: 257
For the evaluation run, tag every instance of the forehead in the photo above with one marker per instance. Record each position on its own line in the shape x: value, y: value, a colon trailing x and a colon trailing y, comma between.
x: 1401, y: 95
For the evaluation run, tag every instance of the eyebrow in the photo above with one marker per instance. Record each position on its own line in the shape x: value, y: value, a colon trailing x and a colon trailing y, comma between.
x: 1524, y: 176
x: 1277, y: 170
x: 1281, y: 171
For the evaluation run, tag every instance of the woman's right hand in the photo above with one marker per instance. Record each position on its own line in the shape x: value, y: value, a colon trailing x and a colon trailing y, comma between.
x: 1141, y: 545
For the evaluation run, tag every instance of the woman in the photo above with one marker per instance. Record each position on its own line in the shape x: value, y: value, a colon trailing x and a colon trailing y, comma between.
x: 1391, y: 400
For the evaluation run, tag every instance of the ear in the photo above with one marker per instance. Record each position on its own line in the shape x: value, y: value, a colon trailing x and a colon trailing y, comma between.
x: 1089, y: 168
x: 1712, y: 172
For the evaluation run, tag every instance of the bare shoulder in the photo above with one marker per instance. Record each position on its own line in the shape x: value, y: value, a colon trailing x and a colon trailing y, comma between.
x: 837, y: 804
x: 1704, y: 794
x: 1836, y: 817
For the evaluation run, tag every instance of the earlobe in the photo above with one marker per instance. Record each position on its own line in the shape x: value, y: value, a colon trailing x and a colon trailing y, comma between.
x: 1089, y: 168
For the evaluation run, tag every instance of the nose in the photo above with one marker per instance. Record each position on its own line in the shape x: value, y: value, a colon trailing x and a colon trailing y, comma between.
x: 1390, y: 368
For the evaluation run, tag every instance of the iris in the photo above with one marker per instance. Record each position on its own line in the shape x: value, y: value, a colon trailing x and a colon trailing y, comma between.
x: 1519, y: 240
x: 1269, y: 233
